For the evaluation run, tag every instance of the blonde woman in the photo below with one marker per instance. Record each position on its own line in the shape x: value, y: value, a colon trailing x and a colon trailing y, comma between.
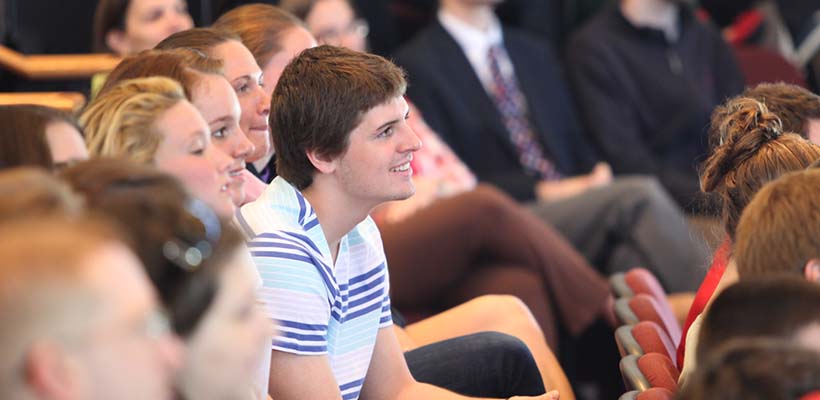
x: 149, y: 120
x: 207, y: 89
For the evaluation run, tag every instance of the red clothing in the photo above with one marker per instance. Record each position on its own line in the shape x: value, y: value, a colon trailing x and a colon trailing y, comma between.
x: 705, y: 291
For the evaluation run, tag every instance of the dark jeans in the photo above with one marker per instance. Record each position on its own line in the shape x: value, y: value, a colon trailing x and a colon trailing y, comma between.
x: 485, y: 364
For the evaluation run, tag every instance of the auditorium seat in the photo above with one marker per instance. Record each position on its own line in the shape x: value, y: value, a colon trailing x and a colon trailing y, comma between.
x: 643, y: 338
x: 643, y: 307
x: 651, y: 370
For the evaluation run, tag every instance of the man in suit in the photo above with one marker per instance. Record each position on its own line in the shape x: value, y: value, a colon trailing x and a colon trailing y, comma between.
x: 498, y: 97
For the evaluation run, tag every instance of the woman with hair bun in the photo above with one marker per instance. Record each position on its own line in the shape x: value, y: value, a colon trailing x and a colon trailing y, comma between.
x: 749, y: 149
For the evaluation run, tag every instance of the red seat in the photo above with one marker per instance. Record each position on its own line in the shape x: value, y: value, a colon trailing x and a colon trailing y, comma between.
x: 643, y: 338
x: 643, y: 307
x: 641, y: 280
x: 653, y: 370
x: 648, y: 394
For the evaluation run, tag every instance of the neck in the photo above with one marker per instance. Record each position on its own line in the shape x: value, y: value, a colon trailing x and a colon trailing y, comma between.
x: 262, y: 162
x: 657, y: 14
x: 337, y: 214
x: 477, y: 16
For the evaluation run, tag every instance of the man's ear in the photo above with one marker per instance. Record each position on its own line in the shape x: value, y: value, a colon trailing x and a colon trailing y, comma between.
x: 812, y: 270
x: 48, y: 371
x: 116, y: 41
x: 322, y: 162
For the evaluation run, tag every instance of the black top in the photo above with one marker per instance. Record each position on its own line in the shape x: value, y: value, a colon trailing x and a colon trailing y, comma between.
x: 646, y: 101
x: 267, y: 173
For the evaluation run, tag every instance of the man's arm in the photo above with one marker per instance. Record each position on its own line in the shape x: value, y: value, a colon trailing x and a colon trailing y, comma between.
x: 389, y: 379
x: 299, y: 377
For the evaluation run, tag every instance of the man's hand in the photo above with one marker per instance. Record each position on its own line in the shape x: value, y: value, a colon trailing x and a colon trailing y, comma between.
x: 565, y: 188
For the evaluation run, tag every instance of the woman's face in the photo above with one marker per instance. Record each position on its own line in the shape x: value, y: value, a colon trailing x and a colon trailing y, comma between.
x: 245, y: 77
x: 224, y: 352
x: 66, y: 143
x: 334, y: 22
x: 187, y: 153
x: 217, y: 102
x: 292, y: 42
x: 147, y: 22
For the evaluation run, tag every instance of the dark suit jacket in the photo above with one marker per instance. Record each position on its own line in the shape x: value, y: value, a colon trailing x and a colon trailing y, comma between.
x: 445, y: 88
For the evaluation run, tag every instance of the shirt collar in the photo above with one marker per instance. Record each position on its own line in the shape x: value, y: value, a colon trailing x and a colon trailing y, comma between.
x: 468, y: 37
x: 685, y: 18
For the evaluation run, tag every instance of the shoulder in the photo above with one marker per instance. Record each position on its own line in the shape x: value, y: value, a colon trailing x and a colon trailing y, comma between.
x: 597, y: 31
x: 422, y: 46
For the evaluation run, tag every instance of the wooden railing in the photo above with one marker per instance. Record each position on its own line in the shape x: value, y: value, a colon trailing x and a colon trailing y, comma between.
x: 66, y: 101
x: 63, y: 66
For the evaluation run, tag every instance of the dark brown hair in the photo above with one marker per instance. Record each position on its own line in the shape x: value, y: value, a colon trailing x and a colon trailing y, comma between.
x: 775, y: 307
x: 320, y: 98
x: 181, y: 65
x: 200, y: 39
x: 749, y: 150
x: 23, y: 137
x: 165, y: 225
x: 780, y: 229
x: 793, y: 104
x: 109, y: 15
x: 260, y: 27
x: 755, y: 369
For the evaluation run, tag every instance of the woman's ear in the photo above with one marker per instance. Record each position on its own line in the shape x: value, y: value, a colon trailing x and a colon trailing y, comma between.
x: 322, y: 162
x: 116, y: 41
x: 812, y: 270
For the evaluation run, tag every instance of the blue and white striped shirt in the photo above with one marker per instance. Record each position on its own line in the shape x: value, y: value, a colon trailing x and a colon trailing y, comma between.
x: 319, y: 308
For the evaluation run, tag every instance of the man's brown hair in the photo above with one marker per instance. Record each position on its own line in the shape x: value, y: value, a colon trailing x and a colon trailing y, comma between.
x: 749, y: 150
x: 260, y: 26
x: 793, y: 104
x: 768, y: 306
x: 320, y: 99
x: 780, y: 229
x: 755, y: 369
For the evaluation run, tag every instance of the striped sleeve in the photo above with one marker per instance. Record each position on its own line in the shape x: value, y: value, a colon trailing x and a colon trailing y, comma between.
x: 294, y: 286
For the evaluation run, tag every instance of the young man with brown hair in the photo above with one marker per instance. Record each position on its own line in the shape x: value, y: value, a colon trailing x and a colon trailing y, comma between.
x: 343, y: 147
x: 779, y: 231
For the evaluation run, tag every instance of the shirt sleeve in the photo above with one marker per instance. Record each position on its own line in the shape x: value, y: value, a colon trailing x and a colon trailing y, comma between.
x: 295, y: 291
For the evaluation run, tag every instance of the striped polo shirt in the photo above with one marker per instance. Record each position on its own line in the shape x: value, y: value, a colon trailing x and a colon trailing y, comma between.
x: 320, y: 309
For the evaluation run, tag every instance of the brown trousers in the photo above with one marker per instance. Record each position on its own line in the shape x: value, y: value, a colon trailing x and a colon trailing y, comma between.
x: 483, y: 242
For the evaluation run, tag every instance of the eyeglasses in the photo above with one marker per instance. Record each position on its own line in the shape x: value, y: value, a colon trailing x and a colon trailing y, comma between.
x: 333, y: 36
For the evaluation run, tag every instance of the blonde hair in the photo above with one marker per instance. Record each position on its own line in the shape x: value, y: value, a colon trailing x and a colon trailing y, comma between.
x: 122, y: 121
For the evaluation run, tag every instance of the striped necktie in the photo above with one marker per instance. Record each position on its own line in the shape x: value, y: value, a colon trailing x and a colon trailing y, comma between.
x: 512, y: 105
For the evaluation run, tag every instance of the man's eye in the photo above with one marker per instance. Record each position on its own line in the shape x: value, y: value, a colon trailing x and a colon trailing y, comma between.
x: 386, y: 133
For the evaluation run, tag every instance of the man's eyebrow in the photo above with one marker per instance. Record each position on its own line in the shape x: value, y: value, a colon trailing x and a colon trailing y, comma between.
x: 388, y: 123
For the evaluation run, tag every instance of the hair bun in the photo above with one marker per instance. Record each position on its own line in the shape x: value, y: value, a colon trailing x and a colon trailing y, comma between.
x: 740, y: 127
